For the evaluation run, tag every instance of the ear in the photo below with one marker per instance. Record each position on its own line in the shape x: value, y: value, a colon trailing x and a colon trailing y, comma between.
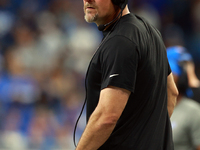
x: 121, y: 3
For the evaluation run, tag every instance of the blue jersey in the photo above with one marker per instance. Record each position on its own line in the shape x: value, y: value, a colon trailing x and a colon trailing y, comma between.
x: 176, y: 56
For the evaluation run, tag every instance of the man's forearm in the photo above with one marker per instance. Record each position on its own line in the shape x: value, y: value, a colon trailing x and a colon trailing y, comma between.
x: 170, y: 110
x: 172, y: 94
x: 171, y: 104
x: 198, y: 148
x: 96, y: 133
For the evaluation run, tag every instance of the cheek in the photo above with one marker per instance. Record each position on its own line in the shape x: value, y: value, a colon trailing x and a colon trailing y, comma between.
x: 106, y: 9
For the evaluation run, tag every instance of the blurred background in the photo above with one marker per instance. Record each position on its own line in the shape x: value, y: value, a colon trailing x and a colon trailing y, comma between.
x: 45, y: 48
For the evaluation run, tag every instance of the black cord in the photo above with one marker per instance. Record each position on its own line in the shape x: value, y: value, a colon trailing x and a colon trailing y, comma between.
x: 74, y: 135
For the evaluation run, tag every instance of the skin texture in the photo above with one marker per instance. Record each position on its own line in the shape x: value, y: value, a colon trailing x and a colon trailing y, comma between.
x: 104, y: 118
x: 172, y: 93
x: 193, y: 80
x: 198, y: 148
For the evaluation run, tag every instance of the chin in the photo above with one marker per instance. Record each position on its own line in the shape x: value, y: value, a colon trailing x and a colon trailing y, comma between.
x: 91, y: 18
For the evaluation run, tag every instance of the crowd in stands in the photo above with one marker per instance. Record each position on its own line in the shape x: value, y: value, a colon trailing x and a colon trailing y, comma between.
x: 45, y: 48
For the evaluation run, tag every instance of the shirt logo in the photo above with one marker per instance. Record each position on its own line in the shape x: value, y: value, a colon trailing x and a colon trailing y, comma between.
x: 113, y: 75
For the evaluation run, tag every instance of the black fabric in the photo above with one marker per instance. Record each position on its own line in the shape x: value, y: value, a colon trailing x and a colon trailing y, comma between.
x: 121, y: 3
x: 196, y: 94
x: 113, y: 63
x: 182, y: 83
x: 133, y: 57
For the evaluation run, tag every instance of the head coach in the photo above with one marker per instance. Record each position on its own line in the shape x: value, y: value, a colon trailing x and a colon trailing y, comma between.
x: 130, y: 91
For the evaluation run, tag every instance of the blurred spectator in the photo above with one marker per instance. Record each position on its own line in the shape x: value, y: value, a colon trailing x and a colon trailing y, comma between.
x: 11, y: 138
x: 186, y: 116
x: 180, y: 59
x: 185, y: 119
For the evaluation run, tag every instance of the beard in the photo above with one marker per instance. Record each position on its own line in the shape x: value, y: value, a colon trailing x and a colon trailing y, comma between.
x: 90, y: 18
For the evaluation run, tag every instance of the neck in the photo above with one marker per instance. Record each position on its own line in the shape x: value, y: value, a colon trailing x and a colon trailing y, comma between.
x: 125, y: 11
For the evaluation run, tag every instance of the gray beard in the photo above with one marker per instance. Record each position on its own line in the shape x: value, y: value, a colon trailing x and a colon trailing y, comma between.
x: 91, y: 20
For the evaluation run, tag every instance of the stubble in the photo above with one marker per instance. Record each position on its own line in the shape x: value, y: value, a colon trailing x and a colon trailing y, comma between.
x: 90, y: 18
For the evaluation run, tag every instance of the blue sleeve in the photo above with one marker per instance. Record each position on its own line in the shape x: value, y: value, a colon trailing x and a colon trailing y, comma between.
x: 176, y: 69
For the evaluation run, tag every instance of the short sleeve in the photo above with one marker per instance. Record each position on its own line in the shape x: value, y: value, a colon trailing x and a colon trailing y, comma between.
x: 119, y: 63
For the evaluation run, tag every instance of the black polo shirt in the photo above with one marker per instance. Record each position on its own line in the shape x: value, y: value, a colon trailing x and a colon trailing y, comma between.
x: 133, y: 57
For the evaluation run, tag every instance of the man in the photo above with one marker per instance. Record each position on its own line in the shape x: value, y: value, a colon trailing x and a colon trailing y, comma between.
x: 127, y: 83
x: 186, y: 118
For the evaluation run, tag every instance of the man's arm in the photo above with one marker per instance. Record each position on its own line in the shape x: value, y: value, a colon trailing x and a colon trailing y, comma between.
x: 172, y: 94
x: 193, y: 80
x: 102, y: 122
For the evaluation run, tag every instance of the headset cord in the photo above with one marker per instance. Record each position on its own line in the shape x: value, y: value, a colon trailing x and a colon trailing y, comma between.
x: 74, y: 135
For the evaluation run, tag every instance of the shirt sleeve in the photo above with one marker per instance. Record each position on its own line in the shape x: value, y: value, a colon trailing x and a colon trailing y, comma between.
x: 119, y: 63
